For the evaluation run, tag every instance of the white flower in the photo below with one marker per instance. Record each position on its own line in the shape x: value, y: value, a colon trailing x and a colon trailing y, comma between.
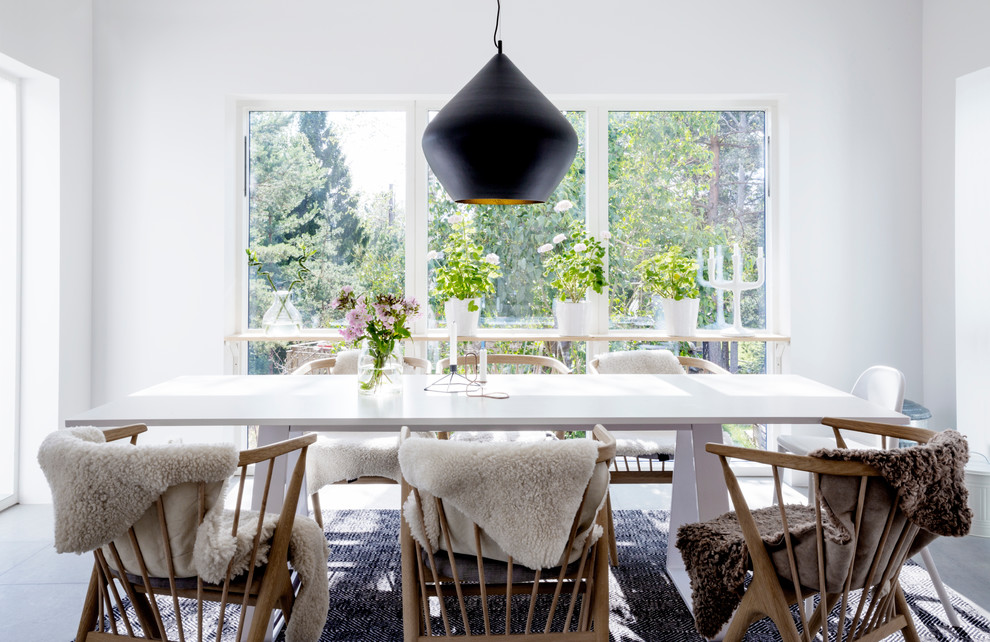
x: 546, y: 247
x: 606, y: 235
x: 491, y: 258
x: 431, y: 255
x: 559, y: 238
x: 563, y: 206
x: 580, y: 247
x: 454, y: 219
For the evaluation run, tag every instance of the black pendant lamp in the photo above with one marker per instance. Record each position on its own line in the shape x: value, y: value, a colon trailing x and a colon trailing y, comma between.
x: 499, y: 140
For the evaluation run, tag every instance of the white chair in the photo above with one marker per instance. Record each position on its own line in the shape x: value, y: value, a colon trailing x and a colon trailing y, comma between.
x: 884, y: 386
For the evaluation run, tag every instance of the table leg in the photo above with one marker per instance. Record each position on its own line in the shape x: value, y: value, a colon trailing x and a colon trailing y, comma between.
x: 699, y: 493
x: 270, y: 435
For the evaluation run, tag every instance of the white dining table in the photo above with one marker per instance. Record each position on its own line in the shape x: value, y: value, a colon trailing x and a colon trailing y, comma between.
x: 694, y: 406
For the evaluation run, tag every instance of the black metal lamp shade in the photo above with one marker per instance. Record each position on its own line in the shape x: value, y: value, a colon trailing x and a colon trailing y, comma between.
x: 499, y: 140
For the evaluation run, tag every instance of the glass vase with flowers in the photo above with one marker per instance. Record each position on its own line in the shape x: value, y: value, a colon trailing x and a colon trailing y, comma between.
x: 378, y: 323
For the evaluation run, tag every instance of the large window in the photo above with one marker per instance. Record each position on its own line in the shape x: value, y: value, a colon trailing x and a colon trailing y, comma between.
x: 329, y: 181
x: 338, y: 180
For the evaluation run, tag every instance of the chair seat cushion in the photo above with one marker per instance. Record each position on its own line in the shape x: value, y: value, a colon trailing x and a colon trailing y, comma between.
x: 180, y: 503
x: 639, y: 362
x: 647, y: 442
x: 342, y: 458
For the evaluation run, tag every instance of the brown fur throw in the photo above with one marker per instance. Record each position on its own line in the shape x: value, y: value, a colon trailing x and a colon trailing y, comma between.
x: 930, y: 483
x: 716, y: 558
x: 930, y: 480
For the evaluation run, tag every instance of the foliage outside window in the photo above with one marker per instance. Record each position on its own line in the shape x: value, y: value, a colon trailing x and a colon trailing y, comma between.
x: 694, y: 179
x: 522, y: 297
x: 303, y: 192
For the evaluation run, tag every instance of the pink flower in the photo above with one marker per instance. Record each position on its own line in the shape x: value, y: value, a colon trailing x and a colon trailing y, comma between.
x: 347, y: 289
x: 580, y: 247
x: 546, y: 247
x: 559, y: 238
x: 491, y: 258
x: 563, y: 206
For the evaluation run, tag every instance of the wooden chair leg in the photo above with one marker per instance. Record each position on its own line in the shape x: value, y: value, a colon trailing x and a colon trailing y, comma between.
x: 817, y: 621
x: 601, y: 608
x: 910, y: 633
x: 317, y: 511
x: 87, y: 621
x: 613, y: 547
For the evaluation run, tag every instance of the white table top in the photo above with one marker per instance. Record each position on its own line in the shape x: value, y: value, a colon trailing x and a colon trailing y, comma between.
x: 535, y: 402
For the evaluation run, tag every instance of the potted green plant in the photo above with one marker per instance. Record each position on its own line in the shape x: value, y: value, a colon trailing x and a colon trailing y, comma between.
x: 576, y: 260
x: 463, y: 273
x: 673, y: 278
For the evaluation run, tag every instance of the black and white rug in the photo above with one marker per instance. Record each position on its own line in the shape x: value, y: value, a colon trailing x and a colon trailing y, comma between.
x: 366, y: 597
x: 366, y: 593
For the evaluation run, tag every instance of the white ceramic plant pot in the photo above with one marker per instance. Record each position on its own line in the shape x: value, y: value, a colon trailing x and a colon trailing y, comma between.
x: 572, y: 318
x: 467, y: 321
x: 680, y: 317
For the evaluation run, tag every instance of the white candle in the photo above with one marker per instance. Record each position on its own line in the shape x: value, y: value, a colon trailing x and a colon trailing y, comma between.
x: 453, y: 342
x: 483, y: 364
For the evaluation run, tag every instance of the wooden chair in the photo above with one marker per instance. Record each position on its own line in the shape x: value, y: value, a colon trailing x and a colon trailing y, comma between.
x: 805, y: 564
x: 692, y: 365
x: 264, y: 587
x: 632, y: 465
x: 884, y: 386
x: 509, y: 363
x: 324, y: 447
x: 470, y: 562
x: 325, y: 366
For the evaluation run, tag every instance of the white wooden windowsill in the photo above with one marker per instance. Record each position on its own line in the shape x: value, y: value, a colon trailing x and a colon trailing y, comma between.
x: 522, y: 334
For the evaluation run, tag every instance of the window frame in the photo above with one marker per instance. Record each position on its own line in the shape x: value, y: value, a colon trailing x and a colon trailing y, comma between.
x: 14, y: 274
x: 417, y: 109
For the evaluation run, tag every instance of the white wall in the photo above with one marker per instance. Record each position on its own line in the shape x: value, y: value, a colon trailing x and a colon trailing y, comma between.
x: 47, y: 44
x: 954, y: 44
x: 846, y: 73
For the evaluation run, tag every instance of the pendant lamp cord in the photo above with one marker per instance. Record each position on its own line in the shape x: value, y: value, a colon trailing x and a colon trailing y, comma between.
x: 498, y: 14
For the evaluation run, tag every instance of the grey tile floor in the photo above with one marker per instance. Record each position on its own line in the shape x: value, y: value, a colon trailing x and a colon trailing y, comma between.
x: 41, y: 592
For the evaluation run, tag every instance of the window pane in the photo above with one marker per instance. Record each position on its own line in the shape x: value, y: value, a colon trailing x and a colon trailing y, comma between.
x: 333, y: 182
x: 523, y: 296
x: 691, y: 179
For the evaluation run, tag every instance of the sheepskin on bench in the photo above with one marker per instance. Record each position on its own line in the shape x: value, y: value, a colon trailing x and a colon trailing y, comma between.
x: 927, y: 482
x: 101, y: 489
x: 524, y: 515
